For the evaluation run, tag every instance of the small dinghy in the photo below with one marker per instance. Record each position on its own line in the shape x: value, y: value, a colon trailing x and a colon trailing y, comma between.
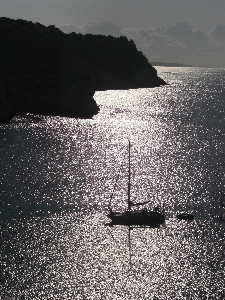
x: 185, y: 216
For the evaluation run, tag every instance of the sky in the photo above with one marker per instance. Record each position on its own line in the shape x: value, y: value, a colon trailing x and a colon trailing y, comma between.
x: 177, y: 31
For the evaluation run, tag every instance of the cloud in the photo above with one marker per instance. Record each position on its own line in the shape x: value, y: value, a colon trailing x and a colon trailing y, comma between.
x: 179, y: 35
x: 180, y: 43
x: 100, y: 27
x: 219, y: 32
x: 177, y: 42
x: 180, y: 30
x: 103, y: 27
x: 68, y: 28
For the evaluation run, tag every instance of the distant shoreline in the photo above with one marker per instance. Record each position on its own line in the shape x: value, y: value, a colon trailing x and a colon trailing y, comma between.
x: 164, y: 64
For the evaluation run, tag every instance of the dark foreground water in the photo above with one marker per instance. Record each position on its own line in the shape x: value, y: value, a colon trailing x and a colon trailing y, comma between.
x: 57, y: 176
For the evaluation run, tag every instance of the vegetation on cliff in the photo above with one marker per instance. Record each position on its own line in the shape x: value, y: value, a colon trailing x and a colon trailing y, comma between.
x: 46, y: 71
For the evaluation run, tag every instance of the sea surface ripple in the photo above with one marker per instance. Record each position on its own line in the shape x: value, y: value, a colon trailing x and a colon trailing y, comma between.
x: 57, y: 175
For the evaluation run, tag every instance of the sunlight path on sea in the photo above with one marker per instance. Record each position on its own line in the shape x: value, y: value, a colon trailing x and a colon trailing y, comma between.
x: 58, y: 176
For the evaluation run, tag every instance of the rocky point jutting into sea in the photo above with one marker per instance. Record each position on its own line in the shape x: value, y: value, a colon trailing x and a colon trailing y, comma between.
x: 43, y: 70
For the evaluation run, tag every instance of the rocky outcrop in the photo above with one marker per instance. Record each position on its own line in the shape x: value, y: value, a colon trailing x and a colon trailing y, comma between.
x: 115, y: 62
x: 49, y: 72
x: 51, y: 94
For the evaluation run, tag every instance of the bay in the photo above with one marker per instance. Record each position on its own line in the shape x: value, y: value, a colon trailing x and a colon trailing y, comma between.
x: 57, y: 176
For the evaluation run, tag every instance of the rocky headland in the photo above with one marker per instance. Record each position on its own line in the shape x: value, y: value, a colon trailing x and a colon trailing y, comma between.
x: 43, y: 70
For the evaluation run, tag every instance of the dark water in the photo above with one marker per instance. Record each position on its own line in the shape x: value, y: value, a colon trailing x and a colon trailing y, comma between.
x: 57, y: 175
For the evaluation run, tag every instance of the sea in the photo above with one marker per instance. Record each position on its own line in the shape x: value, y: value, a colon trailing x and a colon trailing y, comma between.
x: 58, y: 176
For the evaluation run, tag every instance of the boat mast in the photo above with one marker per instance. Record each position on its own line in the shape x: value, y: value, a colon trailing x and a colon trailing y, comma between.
x: 129, y: 180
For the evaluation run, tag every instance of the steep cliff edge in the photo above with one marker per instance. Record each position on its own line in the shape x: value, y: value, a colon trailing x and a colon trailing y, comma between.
x: 115, y: 62
x: 45, y: 71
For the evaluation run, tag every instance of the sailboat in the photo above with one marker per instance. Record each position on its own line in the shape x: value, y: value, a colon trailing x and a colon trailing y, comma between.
x: 144, y: 217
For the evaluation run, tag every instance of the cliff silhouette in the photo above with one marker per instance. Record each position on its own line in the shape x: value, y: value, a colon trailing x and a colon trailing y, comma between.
x: 43, y: 70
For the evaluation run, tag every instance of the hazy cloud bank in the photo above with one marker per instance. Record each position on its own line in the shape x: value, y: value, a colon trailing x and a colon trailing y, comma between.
x: 177, y: 42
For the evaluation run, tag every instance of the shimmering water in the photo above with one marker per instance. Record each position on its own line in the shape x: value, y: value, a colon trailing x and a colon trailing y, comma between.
x: 57, y: 175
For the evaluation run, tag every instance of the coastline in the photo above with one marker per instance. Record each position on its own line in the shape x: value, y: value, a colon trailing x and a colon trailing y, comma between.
x: 46, y: 71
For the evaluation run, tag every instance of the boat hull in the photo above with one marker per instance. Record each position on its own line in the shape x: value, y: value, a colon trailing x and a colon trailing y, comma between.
x: 153, y: 219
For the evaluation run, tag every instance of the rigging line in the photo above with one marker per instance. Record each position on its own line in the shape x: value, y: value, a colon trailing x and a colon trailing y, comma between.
x: 129, y: 176
x: 112, y: 237
x: 115, y: 186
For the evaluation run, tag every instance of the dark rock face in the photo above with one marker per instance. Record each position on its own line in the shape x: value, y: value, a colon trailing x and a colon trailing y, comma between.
x: 46, y: 71
x: 6, y: 109
x: 115, y: 62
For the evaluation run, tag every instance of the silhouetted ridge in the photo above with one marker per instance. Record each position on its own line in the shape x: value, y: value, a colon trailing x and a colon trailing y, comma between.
x: 46, y: 71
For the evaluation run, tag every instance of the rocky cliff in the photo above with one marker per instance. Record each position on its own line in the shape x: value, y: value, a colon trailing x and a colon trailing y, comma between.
x: 45, y: 71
